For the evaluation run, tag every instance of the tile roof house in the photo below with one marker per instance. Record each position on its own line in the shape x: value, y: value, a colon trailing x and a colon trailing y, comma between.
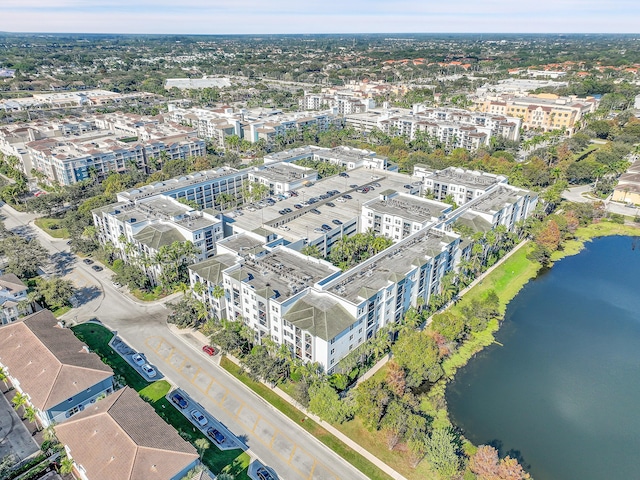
x: 12, y: 292
x: 123, y: 438
x: 52, y: 367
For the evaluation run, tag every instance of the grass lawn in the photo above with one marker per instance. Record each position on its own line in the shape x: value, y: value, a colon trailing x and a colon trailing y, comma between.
x: 155, y: 391
x: 61, y: 311
x: 346, y: 452
x: 52, y: 227
x: 147, y: 296
x: 97, y: 338
x: 588, y: 233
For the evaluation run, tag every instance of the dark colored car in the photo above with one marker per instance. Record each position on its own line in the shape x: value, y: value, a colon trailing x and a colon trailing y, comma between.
x: 88, y: 261
x: 325, y: 227
x: 179, y: 400
x: 407, y: 186
x: 293, y: 193
x: 344, y: 174
x: 353, y: 185
x: 215, y: 435
x: 330, y: 204
x: 335, y: 221
x: 375, y: 184
x: 298, y: 206
x: 209, y: 350
x: 264, y: 474
x: 282, y: 212
x: 324, y: 196
x: 97, y: 268
x: 347, y: 196
x: 288, y: 210
x: 315, y: 210
x: 312, y: 200
x: 333, y: 192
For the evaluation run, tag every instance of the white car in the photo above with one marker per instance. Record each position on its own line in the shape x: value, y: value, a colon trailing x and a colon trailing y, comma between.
x: 284, y: 227
x: 138, y: 359
x: 199, y: 417
x: 149, y: 370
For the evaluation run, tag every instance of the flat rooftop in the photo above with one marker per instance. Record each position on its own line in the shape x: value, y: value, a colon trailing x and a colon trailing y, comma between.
x: 391, y: 265
x: 177, y: 183
x: 241, y: 243
x: 282, y: 273
x: 283, y: 172
x: 411, y: 207
x: 496, y: 200
x: 301, y: 222
x: 468, y: 178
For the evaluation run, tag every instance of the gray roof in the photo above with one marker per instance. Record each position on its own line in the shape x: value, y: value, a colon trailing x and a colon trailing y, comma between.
x: 474, y: 221
x: 320, y: 315
x: 155, y: 236
x: 12, y: 283
x: 211, y: 269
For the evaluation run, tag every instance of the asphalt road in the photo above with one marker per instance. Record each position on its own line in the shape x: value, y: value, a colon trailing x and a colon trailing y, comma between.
x: 270, y: 436
x: 576, y: 194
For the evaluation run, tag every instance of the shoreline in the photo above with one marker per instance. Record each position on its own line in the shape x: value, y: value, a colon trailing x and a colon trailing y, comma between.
x: 530, y: 270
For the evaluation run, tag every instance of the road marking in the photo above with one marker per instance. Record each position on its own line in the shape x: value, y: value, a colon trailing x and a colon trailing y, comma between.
x: 235, y: 414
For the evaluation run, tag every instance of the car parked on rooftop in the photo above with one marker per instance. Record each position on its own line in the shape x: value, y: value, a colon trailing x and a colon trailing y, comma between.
x: 315, y: 210
x: 325, y: 227
x: 335, y: 221
x: 199, y: 417
x: 347, y: 196
x: 407, y: 186
x: 353, y: 185
x: 298, y: 206
x: 318, y: 230
x: 330, y: 204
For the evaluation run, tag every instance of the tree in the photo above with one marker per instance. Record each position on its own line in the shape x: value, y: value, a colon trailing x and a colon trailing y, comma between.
x: 202, y: 444
x: 30, y: 414
x: 417, y: 353
x: 19, y: 400
x: 23, y: 256
x: 486, y: 464
x: 394, y: 423
x: 396, y: 379
x: 549, y: 237
x: 66, y: 465
x: 371, y: 398
x: 325, y: 402
x: 441, y: 452
x: 448, y: 324
x: 4, y: 377
x: 55, y: 292
x: 185, y: 313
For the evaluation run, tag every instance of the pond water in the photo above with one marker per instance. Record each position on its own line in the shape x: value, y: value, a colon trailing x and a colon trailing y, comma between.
x: 563, y: 393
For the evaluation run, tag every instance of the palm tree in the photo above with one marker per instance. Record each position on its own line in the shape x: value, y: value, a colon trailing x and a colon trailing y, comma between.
x: 31, y: 414
x: 19, y: 400
x: 217, y: 292
x: 66, y: 465
x: 202, y: 444
x: 4, y: 376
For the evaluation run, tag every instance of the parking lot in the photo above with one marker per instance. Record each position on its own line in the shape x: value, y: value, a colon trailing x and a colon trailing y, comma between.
x: 137, y: 360
x: 223, y: 439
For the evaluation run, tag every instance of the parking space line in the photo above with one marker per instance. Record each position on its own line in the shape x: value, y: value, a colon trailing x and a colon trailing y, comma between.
x: 238, y: 419
x: 313, y: 468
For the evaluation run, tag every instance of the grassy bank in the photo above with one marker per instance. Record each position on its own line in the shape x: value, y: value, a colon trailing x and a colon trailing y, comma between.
x: 586, y: 234
x: 97, y: 339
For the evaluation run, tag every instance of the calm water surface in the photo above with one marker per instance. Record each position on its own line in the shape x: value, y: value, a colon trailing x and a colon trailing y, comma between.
x: 564, y: 390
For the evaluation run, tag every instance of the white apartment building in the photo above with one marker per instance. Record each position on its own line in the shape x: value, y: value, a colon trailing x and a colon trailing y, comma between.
x: 463, y: 185
x: 342, y: 104
x: 348, y: 157
x: 282, y: 177
x: 215, y: 124
x: 398, y: 215
x: 144, y: 227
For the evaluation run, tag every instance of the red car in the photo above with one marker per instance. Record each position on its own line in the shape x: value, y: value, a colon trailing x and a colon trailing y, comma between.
x: 208, y: 349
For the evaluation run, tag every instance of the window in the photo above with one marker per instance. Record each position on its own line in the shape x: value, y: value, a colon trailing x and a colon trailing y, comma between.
x: 333, y: 350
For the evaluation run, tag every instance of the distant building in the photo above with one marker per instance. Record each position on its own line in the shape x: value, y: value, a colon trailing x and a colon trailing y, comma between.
x: 54, y: 369
x: 544, y: 112
x: 628, y: 188
x: 463, y: 185
x: 196, y: 83
x: 123, y: 438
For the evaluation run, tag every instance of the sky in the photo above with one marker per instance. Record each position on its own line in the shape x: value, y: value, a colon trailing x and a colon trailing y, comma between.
x: 316, y: 16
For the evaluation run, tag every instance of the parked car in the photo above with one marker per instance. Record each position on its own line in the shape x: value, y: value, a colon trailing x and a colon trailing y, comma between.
x: 149, y: 370
x: 298, y: 206
x: 333, y: 192
x: 318, y: 230
x: 97, y: 268
x: 199, y: 417
x: 138, y: 359
x: 88, y: 261
x: 282, y: 212
x: 324, y: 196
x: 284, y: 227
x: 264, y: 474
x: 344, y: 174
x: 287, y: 210
x: 335, y: 221
x: 330, y: 204
x: 215, y: 435
x: 179, y: 400
x: 375, y: 184
x: 353, y: 185
x: 347, y: 196
x: 341, y: 200
x: 315, y: 210
x: 313, y: 200
x: 209, y: 350
x: 407, y: 186
x: 325, y: 227
x: 293, y: 193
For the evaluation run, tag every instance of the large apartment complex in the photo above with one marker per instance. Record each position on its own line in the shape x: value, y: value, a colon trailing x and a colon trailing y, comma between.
x: 260, y: 276
x: 544, y: 112
x: 71, y: 150
x: 452, y: 128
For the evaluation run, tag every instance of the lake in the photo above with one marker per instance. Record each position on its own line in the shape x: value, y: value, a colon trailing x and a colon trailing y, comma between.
x: 563, y: 392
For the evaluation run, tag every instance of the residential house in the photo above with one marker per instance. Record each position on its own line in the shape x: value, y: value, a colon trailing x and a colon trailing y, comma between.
x: 12, y: 293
